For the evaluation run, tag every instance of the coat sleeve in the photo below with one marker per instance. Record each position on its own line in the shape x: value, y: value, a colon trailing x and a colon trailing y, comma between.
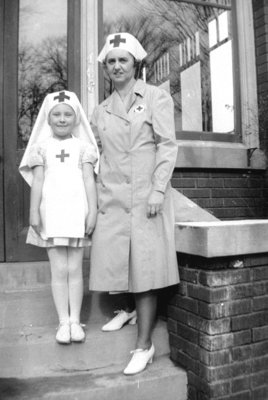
x: 164, y: 132
x: 94, y: 127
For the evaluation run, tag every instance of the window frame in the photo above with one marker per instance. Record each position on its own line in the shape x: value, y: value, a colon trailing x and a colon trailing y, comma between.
x: 235, y: 137
x: 221, y: 154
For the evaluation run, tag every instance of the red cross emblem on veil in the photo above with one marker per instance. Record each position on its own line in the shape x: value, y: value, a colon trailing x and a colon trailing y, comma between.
x: 61, y: 97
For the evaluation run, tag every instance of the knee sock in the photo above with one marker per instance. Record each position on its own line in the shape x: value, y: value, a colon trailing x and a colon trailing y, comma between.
x: 75, y: 299
x: 59, y: 282
x: 60, y: 296
x: 75, y: 260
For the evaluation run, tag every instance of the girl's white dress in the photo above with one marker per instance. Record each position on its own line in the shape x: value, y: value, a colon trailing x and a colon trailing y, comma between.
x: 64, y: 206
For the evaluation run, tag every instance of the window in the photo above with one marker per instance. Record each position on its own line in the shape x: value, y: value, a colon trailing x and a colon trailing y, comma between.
x: 190, y: 52
x: 42, y: 58
x: 203, y: 52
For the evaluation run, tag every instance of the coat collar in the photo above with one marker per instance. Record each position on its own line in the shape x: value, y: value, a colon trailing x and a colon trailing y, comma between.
x: 114, y: 104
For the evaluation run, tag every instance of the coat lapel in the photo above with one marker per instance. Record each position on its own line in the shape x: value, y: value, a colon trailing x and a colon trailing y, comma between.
x: 115, y: 106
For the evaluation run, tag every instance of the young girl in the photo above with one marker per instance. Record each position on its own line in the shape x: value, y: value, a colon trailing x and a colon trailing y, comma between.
x: 59, y: 164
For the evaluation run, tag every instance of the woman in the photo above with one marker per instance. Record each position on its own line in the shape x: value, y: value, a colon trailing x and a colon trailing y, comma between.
x: 133, y: 247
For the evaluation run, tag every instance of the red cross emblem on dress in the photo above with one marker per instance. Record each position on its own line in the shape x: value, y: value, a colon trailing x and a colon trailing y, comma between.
x: 62, y: 155
x: 117, y: 40
x: 61, y: 97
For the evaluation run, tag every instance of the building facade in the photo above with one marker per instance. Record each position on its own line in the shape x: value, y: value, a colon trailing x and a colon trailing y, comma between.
x: 212, y: 55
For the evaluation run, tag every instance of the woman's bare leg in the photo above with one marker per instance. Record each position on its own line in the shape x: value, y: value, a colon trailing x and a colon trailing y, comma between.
x: 146, y: 304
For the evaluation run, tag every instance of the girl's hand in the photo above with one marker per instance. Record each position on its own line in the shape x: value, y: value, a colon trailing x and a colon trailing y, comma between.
x: 35, y: 222
x: 91, y: 222
x: 155, y: 203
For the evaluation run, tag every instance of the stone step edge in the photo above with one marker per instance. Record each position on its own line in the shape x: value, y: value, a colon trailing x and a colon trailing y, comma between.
x: 103, y: 382
x: 34, y: 352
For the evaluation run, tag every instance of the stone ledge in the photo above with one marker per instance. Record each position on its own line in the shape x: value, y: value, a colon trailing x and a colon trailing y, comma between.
x: 218, y: 155
x: 222, y: 238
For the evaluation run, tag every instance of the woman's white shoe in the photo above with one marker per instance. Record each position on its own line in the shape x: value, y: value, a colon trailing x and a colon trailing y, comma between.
x: 139, y: 360
x: 63, y: 335
x: 120, y: 320
x: 77, y: 332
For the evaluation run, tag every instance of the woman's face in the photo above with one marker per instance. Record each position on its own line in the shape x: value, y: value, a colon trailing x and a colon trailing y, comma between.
x: 120, y: 66
x: 62, y: 120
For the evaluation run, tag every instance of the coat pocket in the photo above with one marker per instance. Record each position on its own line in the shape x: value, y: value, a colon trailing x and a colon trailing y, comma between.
x: 143, y: 185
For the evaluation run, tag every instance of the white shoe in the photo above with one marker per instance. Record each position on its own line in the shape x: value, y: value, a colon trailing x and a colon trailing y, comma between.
x: 63, y: 335
x: 120, y: 320
x: 77, y: 332
x: 139, y: 360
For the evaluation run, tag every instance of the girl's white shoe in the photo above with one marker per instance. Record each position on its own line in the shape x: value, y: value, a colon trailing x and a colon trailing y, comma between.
x: 120, y: 320
x: 139, y: 360
x: 63, y: 335
x: 77, y: 332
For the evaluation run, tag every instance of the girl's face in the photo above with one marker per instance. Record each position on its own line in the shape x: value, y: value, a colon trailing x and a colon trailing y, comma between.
x: 62, y: 120
x: 120, y: 66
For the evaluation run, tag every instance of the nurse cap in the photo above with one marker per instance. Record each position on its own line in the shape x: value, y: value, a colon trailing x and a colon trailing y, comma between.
x: 63, y: 97
x: 122, y: 41
x: 42, y: 130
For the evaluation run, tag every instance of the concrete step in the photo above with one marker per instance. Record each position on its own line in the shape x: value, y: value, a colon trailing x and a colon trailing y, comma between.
x: 36, y: 307
x: 32, y: 351
x: 161, y: 380
x: 26, y: 299
x: 34, y: 367
x: 30, y: 275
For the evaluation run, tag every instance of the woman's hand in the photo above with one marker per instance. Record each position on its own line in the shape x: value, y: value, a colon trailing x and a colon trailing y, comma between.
x: 155, y: 203
x: 35, y: 221
x: 91, y: 222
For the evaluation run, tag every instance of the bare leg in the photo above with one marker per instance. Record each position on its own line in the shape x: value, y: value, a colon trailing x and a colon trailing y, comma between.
x: 75, y: 261
x: 124, y: 301
x: 146, y: 304
x: 129, y: 303
x: 59, y: 281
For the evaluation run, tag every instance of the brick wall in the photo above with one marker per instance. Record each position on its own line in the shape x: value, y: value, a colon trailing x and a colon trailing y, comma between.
x: 260, y: 12
x: 218, y: 326
x: 225, y: 194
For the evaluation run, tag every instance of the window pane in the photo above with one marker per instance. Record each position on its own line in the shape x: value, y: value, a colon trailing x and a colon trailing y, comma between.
x: 42, y: 63
x: 189, y: 49
x: 221, y: 88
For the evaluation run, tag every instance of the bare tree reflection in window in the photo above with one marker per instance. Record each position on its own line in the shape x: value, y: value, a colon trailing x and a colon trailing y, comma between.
x: 177, y: 31
x: 42, y: 59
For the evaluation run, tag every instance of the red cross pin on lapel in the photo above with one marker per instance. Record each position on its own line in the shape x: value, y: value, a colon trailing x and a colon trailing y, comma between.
x: 139, y: 109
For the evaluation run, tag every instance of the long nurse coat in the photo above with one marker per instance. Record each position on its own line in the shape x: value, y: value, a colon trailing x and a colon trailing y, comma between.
x: 131, y: 252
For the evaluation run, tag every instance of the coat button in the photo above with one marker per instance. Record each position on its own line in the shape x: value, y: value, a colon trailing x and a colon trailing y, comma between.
x: 128, y: 210
x: 128, y: 180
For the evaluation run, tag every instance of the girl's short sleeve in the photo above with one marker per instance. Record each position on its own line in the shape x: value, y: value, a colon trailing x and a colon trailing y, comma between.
x: 89, y: 154
x: 36, y: 156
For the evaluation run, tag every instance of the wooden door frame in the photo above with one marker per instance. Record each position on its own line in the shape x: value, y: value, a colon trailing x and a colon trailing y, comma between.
x: 10, y: 112
x: 2, y: 226
x: 74, y: 46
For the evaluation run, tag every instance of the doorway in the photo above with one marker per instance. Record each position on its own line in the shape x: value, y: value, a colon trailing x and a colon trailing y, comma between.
x: 39, y: 46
